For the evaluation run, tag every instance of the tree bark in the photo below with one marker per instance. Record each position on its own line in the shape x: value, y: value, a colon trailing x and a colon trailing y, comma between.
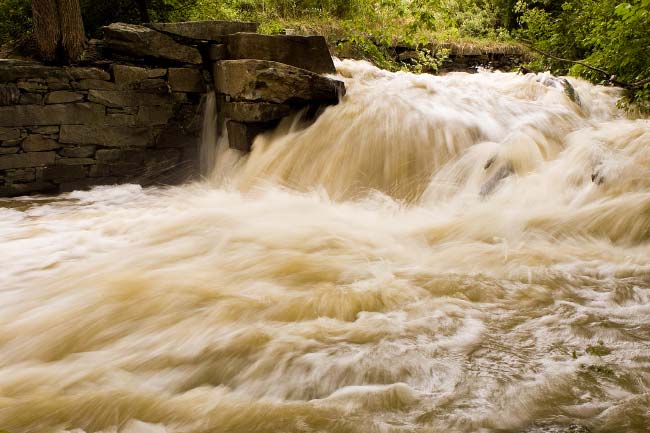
x: 47, y: 28
x: 73, y: 37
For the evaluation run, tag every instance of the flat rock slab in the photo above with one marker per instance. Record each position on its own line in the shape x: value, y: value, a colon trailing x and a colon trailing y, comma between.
x: 140, y: 41
x: 306, y: 52
x: 13, y: 70
x: 266, y: 81
x: 205, y: 30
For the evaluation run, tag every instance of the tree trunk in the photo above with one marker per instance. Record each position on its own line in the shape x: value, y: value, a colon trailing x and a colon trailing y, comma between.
x: 73, y: 37
x: 47, y: 30
x: 144, y: 10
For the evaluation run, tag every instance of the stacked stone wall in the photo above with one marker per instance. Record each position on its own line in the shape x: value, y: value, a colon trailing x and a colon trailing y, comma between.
x: 69, y: 128
x: 133, y: 113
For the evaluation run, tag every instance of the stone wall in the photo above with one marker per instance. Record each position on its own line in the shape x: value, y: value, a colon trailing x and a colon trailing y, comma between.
x: 133, y: 112
x: 68, y: 128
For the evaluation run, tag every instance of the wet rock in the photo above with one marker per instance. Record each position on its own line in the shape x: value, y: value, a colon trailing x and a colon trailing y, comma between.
x: 261, y: 80
x: 17, y: 189
x: 64, y: 172
x: 306, y: 52
x: 120, y: 155
x: 254, y: 111
x: 242, y: 135
x: 140, y: 41
x: 204, y: 30
x: 501, y: 173
x: 186, y: 80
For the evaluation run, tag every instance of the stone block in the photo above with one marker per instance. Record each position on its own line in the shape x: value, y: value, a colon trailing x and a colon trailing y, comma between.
x: 32, y: 85
x: 62, y: 97
x: 93, y: 84
x: 9, y: 150
x: 45, y: 129
x: 150, y: 85
x: 217, y: 52
x: 14, y: 70
x: 142, y: 41
x: 38, y: 143
x: 260, y: 80
x: 87, y: 183
x: 186, y: 80
x: 56, y: 114
x: 57, y: 83
x: 87, y: 74
x: 61, y: 172
x: 74, y: 161
x: 254, y: 111
x: 9, y: 134
x: 242, y: 135
x: 20, y: 175
x: 110, y: 136
x: 204, y: 30
x: 159, y: 115
x: 124, y: 74
x: 9, y: 94
x: 306, y: 52
x: 78, y: 151
x: 109, y: 156
x: 120, y: 98
x: 23, y: 160
x: 18, y: 189
x: 31, y: 99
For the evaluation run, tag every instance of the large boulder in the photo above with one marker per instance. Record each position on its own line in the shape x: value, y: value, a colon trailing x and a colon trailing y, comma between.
x: 261, y: 80
x: 306, y: 52
x: 139, y: 41
x: 204, y: 30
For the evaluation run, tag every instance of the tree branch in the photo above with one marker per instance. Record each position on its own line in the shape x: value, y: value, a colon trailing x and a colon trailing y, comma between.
x: 611, y: 77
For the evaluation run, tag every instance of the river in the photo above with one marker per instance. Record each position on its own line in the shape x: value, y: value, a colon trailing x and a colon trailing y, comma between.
x: 458, y: 253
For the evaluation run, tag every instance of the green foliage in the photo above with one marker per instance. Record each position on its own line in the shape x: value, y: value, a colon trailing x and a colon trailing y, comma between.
x: 608, y: 34
x: 15, y: 19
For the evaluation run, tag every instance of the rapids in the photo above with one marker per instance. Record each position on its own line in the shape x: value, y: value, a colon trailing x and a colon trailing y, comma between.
x: 459, y: 253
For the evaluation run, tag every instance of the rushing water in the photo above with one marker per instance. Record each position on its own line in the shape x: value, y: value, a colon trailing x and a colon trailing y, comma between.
x: 467, y: 253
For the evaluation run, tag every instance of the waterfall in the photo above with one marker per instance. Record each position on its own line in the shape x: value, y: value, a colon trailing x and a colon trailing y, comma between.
x: 458, y: 253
